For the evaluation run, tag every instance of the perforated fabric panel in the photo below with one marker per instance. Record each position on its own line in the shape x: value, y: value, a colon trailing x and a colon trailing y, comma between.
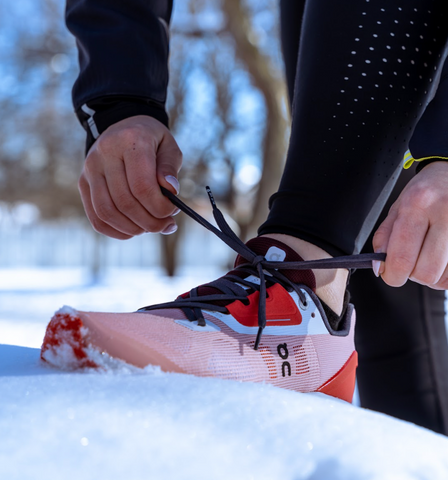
x: 364, y: 75
x: 307, y: 361
x: 297, y: 362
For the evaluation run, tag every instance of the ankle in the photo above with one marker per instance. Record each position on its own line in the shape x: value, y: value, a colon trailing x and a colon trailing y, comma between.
x: 330, y: 284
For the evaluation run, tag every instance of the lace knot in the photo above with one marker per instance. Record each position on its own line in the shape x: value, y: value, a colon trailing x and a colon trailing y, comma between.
x: 257, y: 260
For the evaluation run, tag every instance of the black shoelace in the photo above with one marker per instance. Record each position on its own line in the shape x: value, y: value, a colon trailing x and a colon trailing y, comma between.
x: 231, y: 286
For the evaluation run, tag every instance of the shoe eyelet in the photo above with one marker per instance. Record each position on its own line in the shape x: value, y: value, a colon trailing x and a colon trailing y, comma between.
x: 304, y: 305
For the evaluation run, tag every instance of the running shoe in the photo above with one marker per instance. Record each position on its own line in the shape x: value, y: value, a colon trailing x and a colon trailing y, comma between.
x: 261, y: 322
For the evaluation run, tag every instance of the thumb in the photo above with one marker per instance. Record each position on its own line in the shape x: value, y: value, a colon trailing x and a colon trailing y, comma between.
x: 169, y: 162
x: 381, y: 240
x: 173, y: 181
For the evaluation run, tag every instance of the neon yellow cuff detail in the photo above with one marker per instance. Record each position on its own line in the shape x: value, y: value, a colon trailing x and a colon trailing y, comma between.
x: 409, y: 159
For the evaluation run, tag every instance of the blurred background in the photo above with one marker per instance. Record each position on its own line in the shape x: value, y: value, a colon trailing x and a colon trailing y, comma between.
x: 228, y: 111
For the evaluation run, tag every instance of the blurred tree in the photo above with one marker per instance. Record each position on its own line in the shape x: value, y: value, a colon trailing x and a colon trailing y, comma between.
x: 267, y: 78
x: 40, y: 141
x: 226, y: 104
x: 231, y: 118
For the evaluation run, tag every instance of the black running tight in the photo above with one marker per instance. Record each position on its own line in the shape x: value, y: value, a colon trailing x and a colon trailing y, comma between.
x: 402, y: 346
x: 360, y: 84
x: 364, y: 75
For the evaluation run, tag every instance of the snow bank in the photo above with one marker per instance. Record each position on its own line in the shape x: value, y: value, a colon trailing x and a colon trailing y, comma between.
x: 129, y: 424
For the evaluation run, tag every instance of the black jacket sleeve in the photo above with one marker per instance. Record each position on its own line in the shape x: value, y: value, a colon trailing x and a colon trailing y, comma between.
x: 123, y: 57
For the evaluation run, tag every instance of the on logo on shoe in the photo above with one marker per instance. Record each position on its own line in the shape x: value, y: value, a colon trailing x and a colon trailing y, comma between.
x: 275, y: 254
x: 282, y: 350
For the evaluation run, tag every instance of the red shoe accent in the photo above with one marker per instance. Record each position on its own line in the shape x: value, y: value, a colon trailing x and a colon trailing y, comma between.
x: 65, y: 330
x: 342, y: 385
x: 281, y: 309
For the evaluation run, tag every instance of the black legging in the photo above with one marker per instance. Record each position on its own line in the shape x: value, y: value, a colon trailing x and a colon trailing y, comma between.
x: 362, y: 82
x: 402, y: 346
x: 359, y: 84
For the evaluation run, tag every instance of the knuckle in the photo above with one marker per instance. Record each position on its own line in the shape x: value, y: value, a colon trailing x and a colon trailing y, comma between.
x: 420, y: 198
x: 160, y: 212
x: 381, y: 230
x: 400, y: 263
x: 105, y: 212
x: 125, y: 203
x: 97, y: 225
x: 154, y: 225
x: 141, y: 189
x: 123, y: 236
x: 442, y: 284
x: 178, y: 153
x: 380, y: 235
x: 102, y: 144
x: 122, y: 138
x: 100, y: 227
x: 428, y: 277
x: 393, y: 208
x: 90, y: 166
x: 393, y: 281
x: 82, y: 184
x: 135, y: 231
x: 127, y: 134
x: 131, y: 135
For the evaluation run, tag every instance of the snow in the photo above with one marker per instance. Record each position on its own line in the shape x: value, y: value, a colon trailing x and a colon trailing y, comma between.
x: 30, y: 296
x: 127, y: 423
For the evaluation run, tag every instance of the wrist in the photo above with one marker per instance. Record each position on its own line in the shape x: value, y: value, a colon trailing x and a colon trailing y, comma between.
x: 430, y: 161
x: 101, y: 113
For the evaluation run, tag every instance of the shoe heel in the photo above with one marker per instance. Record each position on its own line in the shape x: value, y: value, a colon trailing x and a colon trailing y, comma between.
x: 342, y: 385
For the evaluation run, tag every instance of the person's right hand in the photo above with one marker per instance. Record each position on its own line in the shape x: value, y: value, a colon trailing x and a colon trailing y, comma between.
x: 121, y: 179
x: 415, y: 232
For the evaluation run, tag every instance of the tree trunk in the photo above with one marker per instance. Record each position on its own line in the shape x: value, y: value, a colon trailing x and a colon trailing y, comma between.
x: 170, y: 247
x: 265, y: 78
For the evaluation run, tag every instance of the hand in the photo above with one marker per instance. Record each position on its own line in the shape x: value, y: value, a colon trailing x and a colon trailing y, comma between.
x: 121, y: 179
x: 415, y: 233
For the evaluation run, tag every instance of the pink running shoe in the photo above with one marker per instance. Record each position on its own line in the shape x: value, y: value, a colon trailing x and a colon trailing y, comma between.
x: 261, y: 322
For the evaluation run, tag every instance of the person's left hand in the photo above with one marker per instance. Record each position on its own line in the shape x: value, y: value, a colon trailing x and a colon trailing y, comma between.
x: 415, y: 233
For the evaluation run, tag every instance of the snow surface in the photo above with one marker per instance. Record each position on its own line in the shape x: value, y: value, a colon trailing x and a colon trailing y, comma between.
x: 126, y: 423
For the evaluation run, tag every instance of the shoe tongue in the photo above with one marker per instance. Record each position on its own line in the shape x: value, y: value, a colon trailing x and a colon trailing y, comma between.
x: 276, y: 251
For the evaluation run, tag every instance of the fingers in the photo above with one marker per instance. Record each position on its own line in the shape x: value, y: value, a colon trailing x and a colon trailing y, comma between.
x: 113, y: 211
x: 415, y: 232
x: 97, y: 224
x: 169, y: 162
x: 382, y: 235
x: 432, y: 261
x: 442, y: 284
x: 122, y: 175
x: 140, y: 169
x: 127, y: 209
x: 381, y: 240
x: 403, y: 247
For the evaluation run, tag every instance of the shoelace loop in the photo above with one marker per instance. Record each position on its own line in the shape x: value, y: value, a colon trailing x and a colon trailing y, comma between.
x: 258, y: 262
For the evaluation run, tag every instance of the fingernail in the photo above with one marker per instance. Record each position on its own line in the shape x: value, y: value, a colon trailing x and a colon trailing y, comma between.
x: 376, y: 264
x: 174, y: 182
x: 176, y: 212
x: 169, y: 229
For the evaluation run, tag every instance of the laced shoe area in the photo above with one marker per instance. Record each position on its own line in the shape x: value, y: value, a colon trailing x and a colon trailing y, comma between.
x: 255, y: 274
